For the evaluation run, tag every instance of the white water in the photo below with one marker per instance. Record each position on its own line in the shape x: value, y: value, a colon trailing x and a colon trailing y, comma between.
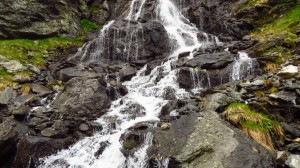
x: 145, y: 91
x: 242, y: 67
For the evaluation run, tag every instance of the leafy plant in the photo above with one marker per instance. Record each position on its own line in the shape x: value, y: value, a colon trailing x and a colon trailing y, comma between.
x: 255, y: 125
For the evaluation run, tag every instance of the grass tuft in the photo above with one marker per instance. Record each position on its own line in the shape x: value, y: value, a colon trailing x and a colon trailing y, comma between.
x: 255, y: 125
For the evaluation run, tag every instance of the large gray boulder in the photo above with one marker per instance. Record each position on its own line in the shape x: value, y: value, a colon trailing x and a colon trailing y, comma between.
x: 204, y: 140
x: 6, y: 95
x: 82, y: 97
x: 39, y: 18
x: 211, y: 61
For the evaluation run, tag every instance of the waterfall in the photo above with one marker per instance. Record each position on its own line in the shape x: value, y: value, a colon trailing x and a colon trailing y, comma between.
x: 147, y: 91
x: 242, y: 67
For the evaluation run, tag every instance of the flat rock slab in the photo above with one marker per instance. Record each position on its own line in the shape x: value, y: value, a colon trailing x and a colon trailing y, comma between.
x: 211, y: 61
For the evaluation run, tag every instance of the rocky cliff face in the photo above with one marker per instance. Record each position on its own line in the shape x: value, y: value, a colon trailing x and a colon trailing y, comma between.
x: 38, y: 18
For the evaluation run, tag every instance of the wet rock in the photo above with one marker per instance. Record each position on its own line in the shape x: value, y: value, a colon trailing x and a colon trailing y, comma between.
x: 32, y: 148
x: 6, y: 95
x: 103, y: 145
x: 293, y: 161
x: 211, y: 61
x: 190, y: 78
x: 13, y: 66
x: 289, y: 71
x: 169, y: 93
x: 184, y: 54
x: 148, y: 43
x: 83, y: 127
x: 166, y: 109
x: 127, y: 73
x: 82, y: 97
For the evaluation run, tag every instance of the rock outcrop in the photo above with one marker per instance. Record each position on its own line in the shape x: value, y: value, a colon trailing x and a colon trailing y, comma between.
x: 36, y: 19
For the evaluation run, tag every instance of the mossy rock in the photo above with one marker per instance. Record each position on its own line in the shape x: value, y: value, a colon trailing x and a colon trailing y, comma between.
x: 129, y: 144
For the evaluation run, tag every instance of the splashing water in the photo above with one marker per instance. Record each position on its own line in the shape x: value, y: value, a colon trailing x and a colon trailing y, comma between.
x: 242, y: 67
x: 145, y: 90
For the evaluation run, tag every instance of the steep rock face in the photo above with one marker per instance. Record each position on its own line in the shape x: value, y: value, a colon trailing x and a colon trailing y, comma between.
x: 39, y: 18
x: 216, y: 17
x: 127, y: 41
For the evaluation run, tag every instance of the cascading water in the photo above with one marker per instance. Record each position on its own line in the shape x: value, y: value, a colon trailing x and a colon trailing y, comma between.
x: 242, y: 67
x: 146, y: 91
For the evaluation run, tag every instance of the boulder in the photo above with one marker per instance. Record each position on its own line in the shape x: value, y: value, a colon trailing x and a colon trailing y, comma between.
x: 37, y: 18
x: 289, y: 71
x: 190, y: 78
x: 293, y: 161
x: 7, y: 95
x: 10, y: 133
x: 127, y: 73
x: 32, y: 148
x: 12, y: 66
x: 82, y: 97
x: 211, y: 61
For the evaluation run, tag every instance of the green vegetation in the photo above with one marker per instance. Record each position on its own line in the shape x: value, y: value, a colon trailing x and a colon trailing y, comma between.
x: 254, y: 124
x: 31, y: 52
x: 129, y: 144
x: 87, y: 25
x: 34, y: 51
x: 277, y: 39
x: 252, y: 3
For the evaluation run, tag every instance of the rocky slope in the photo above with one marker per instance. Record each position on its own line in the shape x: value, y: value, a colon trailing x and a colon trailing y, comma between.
x: 199, y: 136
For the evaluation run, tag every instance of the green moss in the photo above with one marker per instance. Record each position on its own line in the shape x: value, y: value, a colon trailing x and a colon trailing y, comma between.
x: 129, y: 144
x: 87, y: 25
